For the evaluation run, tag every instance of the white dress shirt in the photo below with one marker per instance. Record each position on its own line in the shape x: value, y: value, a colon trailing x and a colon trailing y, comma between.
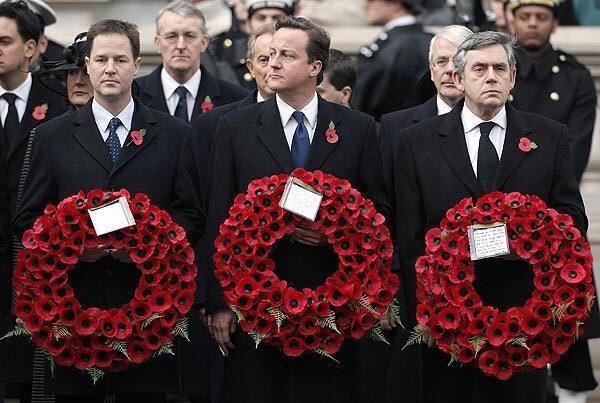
x: 170, y: 85
x: 442, y: 107
x: 103, y: 117
x: 259, y: 98
x: 400, y: 22
x: 289, y: 123
x: 22, y: 93
x: 472, y: 133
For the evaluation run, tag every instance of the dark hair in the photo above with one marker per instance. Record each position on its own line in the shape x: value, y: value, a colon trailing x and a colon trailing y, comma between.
x: 118, y: 27
x: 28, y: 24
x: 318, y: 40
x: 340, y: 71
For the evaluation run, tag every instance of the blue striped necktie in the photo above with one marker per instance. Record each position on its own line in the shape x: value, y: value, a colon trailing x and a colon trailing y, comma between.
x: 300, y: 142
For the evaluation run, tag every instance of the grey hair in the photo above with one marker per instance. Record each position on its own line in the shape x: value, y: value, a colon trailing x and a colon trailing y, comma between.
x: 183, y: 8
x: 482, y: 40
x: 264, y: 29
x: 455, y: 34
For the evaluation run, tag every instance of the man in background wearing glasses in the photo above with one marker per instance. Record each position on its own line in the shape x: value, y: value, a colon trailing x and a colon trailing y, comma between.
x: 181, y: 86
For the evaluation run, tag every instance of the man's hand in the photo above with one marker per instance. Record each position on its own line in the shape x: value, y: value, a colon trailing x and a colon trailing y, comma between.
x: 206, y: 319
x: 121, y: 255
x: 388, y: 321
x: 309, y: 237
x: 223, y: 324
x: 92, y: 255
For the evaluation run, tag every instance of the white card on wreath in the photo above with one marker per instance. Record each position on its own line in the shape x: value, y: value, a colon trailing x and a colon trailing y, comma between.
x: 111, y: 216
x: 488, y: 240
x: 301, y: 199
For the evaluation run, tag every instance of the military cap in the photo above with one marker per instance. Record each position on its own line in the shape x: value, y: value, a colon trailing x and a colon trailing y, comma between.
x: 514, y: 4
x: 38, y: 7
x: 254, y: 5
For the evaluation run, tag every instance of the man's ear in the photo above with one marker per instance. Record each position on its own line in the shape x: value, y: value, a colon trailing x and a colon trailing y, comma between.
x: 315, y: 68
x: 250, y: 67
x: 346, y: 94
x: 87, y: 65
x: 31, y: 47
x: 458, y: 81
x: 137, y: 63
x: 204, y: 43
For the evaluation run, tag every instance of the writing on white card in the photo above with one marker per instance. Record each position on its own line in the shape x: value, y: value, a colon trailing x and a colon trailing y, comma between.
x: 488, y: 240
x: 111, y: 216
x: 301, y: 199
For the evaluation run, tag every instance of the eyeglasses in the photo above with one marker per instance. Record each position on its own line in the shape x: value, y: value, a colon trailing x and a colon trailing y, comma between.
x: 442, y: 62
x: 188, y: 37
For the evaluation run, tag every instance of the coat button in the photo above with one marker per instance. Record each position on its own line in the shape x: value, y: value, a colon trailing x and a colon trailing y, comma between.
x: 510, y: 97
x: 227, y: 43
x: 555, y: 69
x: 554, y: 96
x: 109, y: 272
x: 248, y: 77
x: 562, y: 58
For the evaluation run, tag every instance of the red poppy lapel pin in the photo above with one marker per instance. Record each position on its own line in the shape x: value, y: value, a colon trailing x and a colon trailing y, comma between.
x: 39, y: 112
x: 331, y: 134
x: 207, y: 105
x: 137, y: 136
x: 526, y: 145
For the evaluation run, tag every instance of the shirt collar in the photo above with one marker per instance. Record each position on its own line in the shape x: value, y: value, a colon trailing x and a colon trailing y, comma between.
x: 400, y: 22
x: 309, y: 111
x: 103, y: 117
x: 22, y: 91
x: 259, y: 98
x: 470, y: 121
x: 170, y: 85
x: 442, y: 107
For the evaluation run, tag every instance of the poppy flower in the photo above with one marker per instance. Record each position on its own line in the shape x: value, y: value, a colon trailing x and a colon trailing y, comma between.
x: 294, y: 301
x: 572, y: 273
x: 531, y: 324
x: 466, y: 354
x: 169, y: 317
x: 488, y: 362
x: 449, y: 318
x: 563, y: 295
x: 122, y: 326
x: 184, y: 301
x: 23, y: 308
x: 65, y: 358
x: 140, y: 310
x: 433, y: 239
x: 308, y: 326
x: 544, y: 281
x: 505, y: 370
x: 497, y: 333
x: 45, y: 308
x: 67, y: 317
x: 42, y: 336
x: 332, y: 343
x: 538, y: 356
x: 86, y: 324
x: 33, y: 322
x: 160, y: 301
x: 293, y: 346
x: 560, y: 344
x: 108, y: 326
x: 138, y: 352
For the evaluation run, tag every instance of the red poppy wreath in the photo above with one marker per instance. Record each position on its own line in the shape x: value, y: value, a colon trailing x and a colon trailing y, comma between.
x: 451, y: 314
x: 97, y: 340
x: 350, y: 302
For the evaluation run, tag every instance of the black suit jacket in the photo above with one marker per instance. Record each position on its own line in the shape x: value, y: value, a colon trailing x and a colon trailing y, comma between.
x: 38, y: 96
x: 220, y: 92
x: 69, y: 155
x: 432, y: 173
x: 5, y: 233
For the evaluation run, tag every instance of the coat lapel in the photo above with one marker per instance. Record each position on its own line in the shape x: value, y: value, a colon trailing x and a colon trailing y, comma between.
x: 143, y: 118
x: 208, y: 87
x: 512, y: 156
x: 454, y: 149
x: 88, y: 136
x: 320, y: 148
x: 426, y: 110
x: 154, y: 90
x: 271, y: 134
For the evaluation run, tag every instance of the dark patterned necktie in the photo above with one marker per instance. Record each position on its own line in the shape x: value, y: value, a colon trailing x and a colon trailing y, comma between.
x: 112, y: 142
x: 11, y: 123
x: 300, y: 142
x: 181, y: 111
x: 487, y: 158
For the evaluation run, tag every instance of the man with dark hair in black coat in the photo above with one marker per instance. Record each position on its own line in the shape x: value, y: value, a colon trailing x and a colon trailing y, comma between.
x: 181, y: 86
x: 469, y: 152
x: 389, y: 68
x: 274, y: 137
x: 92, y: 148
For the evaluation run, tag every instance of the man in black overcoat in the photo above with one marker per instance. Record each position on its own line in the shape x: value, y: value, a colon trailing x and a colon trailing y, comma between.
x: 270, y: 138
x: 180, y: 86
x: 24, y: 104
x: 389, y: 68
x: 92, y: 148
x: 467, y: 153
